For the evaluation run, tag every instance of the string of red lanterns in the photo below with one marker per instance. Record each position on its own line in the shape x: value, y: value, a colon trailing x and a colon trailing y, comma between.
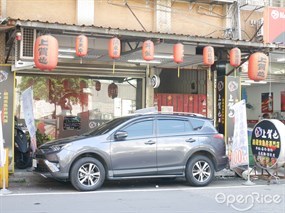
x: 46, y: 55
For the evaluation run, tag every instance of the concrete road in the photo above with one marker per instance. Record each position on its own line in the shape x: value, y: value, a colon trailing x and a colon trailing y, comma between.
x: 225, y: 194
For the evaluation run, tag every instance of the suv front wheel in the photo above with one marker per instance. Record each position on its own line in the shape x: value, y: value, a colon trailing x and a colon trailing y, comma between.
x: 87, y: 174
x: 199, y: 171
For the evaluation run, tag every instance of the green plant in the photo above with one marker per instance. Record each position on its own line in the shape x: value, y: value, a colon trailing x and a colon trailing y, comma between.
x: 41, y: 138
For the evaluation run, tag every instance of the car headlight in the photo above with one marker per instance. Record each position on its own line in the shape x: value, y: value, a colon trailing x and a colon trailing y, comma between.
x: 56, y: 148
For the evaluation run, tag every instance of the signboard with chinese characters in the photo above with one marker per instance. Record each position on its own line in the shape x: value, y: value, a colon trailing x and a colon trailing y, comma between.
x: 267, y: 140
x: 6, y: 105
x: 274, y: 25
x: 220, y: 105
x: 228, y: 93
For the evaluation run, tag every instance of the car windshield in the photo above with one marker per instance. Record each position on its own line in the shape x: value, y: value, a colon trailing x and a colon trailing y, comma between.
x: 106, y: 127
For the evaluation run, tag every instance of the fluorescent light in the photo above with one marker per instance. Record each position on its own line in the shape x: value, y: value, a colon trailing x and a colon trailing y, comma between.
x: 65, y: 56
x: 164, y: 56
x: 255, y: 82
x: 280, y: 59
x: 66, y: 50
x: 143, y: 61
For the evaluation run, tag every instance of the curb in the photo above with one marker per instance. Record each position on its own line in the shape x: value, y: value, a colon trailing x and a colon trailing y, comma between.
x: 27, y: 176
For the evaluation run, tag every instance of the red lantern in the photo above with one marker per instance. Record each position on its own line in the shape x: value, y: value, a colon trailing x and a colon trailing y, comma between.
x: 178, y: 53
x: 258, y: 66
x: 112, y: 90
x: 148, y: 50
x: 208, y: 55
x: 46, y: 52
x: 81, y: 45
x: 114, y: 48
x: 97, y: 85
x: 235, y: 57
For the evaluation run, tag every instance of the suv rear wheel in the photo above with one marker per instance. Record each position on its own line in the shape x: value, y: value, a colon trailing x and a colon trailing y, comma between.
x: 87, y: 174
x: 199, y: 171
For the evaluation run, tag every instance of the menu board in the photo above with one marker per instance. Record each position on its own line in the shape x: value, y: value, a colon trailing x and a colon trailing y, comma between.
x: 6, y: 105
x: 267, y: 138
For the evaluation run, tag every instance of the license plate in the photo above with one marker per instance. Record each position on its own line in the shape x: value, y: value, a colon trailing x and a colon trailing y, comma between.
x: 35, y: 162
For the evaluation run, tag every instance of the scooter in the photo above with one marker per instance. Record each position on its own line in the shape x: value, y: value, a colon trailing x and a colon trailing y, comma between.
x: 22, y: 151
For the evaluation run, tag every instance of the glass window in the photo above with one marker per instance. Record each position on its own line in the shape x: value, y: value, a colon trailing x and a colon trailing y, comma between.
x: 140, y: 129
x: 197, y: 124
x: 277, y: 3
x: 173, y: 126
x: 61, y: 101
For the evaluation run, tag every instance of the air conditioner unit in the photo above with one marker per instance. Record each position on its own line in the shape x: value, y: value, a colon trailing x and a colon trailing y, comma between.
x: 27, y: 43
x: 260, y: 32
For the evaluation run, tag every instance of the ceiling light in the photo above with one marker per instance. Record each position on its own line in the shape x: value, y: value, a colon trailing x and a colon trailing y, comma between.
x: 245, y: 84
x: 143, y: 61
x: 255, y: 82
x: 65, y: 56
x: 66, y: 50
x: 164, y: 56
x: 280, y: 59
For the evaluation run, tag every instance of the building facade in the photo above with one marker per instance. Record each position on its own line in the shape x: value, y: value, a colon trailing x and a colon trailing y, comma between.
x: 126, y: 83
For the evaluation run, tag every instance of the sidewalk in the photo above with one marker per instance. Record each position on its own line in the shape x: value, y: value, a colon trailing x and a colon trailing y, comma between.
x: 27, y: 177
x: 25, y: 181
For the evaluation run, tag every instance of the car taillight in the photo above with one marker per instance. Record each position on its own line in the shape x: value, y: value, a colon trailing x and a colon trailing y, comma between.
x: 219, y: 136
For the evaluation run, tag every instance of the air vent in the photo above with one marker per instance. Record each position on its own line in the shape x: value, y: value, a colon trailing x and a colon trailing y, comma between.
x: 27, y: 43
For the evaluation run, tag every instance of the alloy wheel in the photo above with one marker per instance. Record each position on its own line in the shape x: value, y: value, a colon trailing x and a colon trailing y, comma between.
x: 89, y: 174
x: 201, y: 171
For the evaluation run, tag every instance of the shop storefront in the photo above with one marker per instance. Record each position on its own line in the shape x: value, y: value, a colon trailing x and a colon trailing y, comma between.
x: 83, y: 92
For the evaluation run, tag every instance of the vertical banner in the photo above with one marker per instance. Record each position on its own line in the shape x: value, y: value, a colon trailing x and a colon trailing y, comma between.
x: 6, y: 106
x: 27, y: 100
x: 239, y: 147
x: 282, y: 98
x: 220, y: 104
x: 228, y: 93
x: 2, y: 150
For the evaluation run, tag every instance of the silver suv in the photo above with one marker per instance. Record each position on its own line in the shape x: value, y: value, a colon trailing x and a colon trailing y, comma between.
x: 137, y: 146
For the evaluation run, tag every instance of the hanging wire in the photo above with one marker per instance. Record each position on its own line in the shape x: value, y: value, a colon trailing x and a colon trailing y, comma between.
x: 270, y: 74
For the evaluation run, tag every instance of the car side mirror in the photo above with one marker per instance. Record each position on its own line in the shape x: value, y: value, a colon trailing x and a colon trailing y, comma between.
x: 121, y: 135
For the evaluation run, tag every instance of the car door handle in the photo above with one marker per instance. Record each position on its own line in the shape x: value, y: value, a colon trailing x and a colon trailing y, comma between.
x: 190, y: 140
x: 150, y: 142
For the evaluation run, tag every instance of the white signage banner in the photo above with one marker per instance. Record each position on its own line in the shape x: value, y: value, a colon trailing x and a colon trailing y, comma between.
x: 239, y: 149
x: 27, y: 103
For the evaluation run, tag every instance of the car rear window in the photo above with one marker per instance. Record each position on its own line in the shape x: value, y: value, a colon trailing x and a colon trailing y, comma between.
x: 197, y: 124
x: 203, y: 126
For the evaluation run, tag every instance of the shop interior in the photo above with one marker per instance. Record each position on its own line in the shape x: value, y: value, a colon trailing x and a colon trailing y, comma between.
x: 66, y: 106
